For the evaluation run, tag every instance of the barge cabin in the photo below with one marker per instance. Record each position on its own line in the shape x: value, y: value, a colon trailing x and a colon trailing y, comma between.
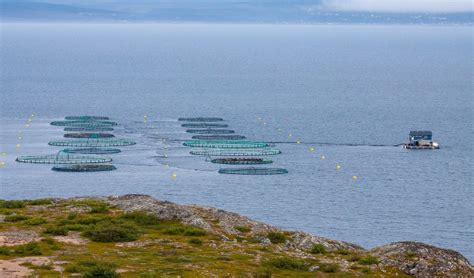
x: 421, y: 140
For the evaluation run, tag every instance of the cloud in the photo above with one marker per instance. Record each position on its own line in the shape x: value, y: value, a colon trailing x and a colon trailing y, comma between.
x: 428, y: 6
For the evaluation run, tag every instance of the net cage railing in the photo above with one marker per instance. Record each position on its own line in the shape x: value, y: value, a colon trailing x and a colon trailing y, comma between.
x: 92, y: 151
x: 204, y: 125
x: 84, y: 123
x: 86, y: 118
x: 242, y: 161
x: 63, y: 158
x: 218, y: 137
x: 92, y: 143
x: 84, y: 168
x: 226, y: 144
x: 253, y: 171
x: 201, y: 119
x: 235, y: 152
x: 210, y: 131
x: 88, y: 135
x: 88, y: 128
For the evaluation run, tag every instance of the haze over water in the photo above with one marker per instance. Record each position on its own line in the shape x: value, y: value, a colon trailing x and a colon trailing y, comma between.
x: 351, y: 92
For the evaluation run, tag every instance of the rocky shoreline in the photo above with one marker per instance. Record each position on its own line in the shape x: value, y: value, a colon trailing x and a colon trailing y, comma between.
x: 228, y: 232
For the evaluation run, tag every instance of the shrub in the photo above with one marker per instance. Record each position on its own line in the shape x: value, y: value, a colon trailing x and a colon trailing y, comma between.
x: 329, y: 268
x: 56, y: 230
x: 410, y: 255
x: 4, y: 250
x: 318, y: 249
x: 174, y: 230
x: 353, y: 258
x: 111, y: 232
x: 368, y: 260
x: 15, y: 218
x: 195, y: 241
x: 99, y: 208
x: 194, y: 232
x: 366, y: 270
x: 276, y: 237
x: 288, y: 263
x: 35, y: 221
x: 242, y: 229
x: 28, y: 249
x: 142, y: 218
x: 38, y: 202
x: 12, y: 204
x: 343, y: 252
x: 100, y: 271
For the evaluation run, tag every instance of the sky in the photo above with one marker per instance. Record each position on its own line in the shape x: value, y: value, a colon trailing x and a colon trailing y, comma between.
x: 402, y: 6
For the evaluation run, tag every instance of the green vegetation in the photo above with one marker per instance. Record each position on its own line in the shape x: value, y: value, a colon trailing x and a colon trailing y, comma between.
x: 368, y: 260
x: 15, y: 218
x: 35, y: 221
x: 288, y: 263
x: 242, y: 229
x: 329, y: 268
x: 142, y: 218
x: 318, y: 249
x: 93, y: 269
x: 28, y: 249
x: 276, y: 237
x: 195, y: 241
x: 112, y: 232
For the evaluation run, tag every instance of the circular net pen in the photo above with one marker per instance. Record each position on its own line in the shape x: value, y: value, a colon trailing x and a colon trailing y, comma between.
x: 226, y: 144
x: 86, y: 118
x: 84, y: 123
x: 236, y: 152
x: 201, y: 119
x: 88, y: 128
x: 204, y: 125
x: 242, y: 161
x: 253, y: 171
x: 210, y: 131
x: 84, y: 168
x: 218, y: 137
x: 88, y: 135
x: 92, y: 151
x: 92, y: 143
x: 63, y: 159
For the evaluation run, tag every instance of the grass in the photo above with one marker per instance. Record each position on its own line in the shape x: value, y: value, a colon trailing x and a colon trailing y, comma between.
x: 368, y: 260
x: 242, y: 229
x: 112, y: 232
x: 329, y: 268
x: 277, y: 237
x: 195, y: 241
x: 288, y: 263
x: 318, y: 249
x: 15, y: 218
x: 36, y: 221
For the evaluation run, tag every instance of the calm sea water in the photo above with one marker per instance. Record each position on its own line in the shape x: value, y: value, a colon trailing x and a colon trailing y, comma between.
x: 350, y: 92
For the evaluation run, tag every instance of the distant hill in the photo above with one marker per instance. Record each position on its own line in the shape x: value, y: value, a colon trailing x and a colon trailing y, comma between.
x: 263, y: 11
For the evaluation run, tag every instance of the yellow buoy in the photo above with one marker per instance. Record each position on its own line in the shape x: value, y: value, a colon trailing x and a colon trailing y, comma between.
x: 167, y: 166
x: 3, y: 154
x: 29, y: 120
x: 323, y: 157
x: 279, y: 129
x: 338, y: 167
x: 2, y: 163
x: 18, y: 145
x: 355, y: 177
x: 312, y: 149
x: 27, y: 125
x: 298, y: 142
x: 19, y: 137
x: 173, y: 176
x: 290, y: 135
x: 32, y: 115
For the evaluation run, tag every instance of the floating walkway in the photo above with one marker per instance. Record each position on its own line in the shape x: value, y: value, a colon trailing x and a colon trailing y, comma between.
x: 226, y: 144
x: 201, y: 119
x: 92, y: 143
x: 204, y: 125
x: 84, y: 168
x: 63, y: 159
x: 86, y: 118
x: 84, y: 123
x: 242, y: 161
x: 91, y: 151
x: 88, y: 128
x: 218, y: 137
x: 253, y: 171
x: 210, y: 131
x: 88, y: 135
x: 236, y: 152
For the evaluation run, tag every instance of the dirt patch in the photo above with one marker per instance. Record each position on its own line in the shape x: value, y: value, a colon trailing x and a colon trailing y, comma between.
x: 18, y: 237
x: 72, y: 238
x: 11, y: 269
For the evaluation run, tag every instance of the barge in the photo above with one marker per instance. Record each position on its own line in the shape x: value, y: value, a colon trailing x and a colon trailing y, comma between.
x: 421, y: 140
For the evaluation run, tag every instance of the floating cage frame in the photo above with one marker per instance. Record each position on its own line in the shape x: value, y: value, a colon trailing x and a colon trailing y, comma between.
x: 204, y: 125
x: 92, y: 143
x: 201, y: 119
x: 91, y: 151
x: 226, y: 144
x: 236, y: 152
x: 210, y: 131
x: 62, y: 158
x: 253, y: 171
x: 84, y: 168
x: 84, y: 123
x: 88, y: 135
x: 242, y: 161
x: 86, y: 118
x: 88, y: 128
x: 219, y: 137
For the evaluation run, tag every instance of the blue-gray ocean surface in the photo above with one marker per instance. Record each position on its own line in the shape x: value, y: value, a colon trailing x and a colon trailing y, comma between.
x: 349, y: 92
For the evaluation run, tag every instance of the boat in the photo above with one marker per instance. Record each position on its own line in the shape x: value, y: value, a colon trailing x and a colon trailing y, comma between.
x: 421, y: 140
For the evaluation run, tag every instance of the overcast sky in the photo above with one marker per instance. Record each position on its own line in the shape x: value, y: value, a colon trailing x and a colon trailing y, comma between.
x: 400, y: 5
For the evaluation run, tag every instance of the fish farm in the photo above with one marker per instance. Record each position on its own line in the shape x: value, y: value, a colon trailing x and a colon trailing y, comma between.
x: 88, y: 128
x: 236, y: 152
x: 204, y: 125
x: 84, y: 123
x: 84, y: 168
x: 92, y: 143
x: 253, y: 171
x: 63, y: 159
x: 218, y: 137
x: 88, y: 135
x: 86, y: 118
x: 201, y: 119
x: 91, y: 151
x: 210, y: 131
x: 242, y: 161
x: 226, y: 144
